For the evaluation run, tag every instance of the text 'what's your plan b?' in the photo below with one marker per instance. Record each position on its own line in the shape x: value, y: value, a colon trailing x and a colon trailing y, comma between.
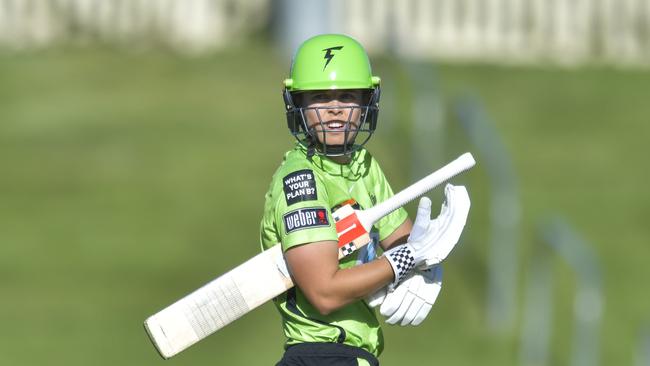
x: 300, y: 186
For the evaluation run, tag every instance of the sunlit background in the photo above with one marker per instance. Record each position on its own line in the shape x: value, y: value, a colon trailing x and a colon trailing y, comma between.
x: 138, y: 137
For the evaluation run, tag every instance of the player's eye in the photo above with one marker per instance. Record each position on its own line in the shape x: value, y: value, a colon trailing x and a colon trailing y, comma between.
x: 320, y: 97
x: 349, y: 97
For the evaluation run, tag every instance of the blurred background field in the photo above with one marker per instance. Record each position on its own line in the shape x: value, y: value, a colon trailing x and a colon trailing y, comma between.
x: 130, y: 176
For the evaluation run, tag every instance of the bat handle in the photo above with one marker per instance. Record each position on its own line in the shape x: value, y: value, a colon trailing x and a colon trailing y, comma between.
x: 417, y: 189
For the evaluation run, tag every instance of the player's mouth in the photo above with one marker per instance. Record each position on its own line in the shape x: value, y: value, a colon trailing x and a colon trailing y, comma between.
x: 338, y: 126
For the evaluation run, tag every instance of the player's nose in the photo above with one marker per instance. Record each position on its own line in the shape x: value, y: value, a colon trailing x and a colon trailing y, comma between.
x: 335, y: 107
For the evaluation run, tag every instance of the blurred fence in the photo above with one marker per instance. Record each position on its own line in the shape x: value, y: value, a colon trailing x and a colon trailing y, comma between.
x: 518, y: 31
x: 186, y: 25
x: 513, y: 31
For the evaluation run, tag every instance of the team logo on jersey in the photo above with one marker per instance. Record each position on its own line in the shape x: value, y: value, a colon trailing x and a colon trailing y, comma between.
x: 304, y: 218
x: 300, y: 186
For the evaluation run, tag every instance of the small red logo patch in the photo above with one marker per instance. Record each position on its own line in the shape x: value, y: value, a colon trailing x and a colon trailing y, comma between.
x: 321, y: 217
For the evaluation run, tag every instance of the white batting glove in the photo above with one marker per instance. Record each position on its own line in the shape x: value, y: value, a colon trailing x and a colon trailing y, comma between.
x: 413, y: 299
x: 456, y: 210
x: 431, y: 241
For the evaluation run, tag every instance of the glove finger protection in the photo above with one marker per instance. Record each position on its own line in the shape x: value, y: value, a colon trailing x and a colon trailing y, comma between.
x: 449, y: 234
x: 417, y: 306
x: 413, y: 299
x: 394, y: 299
x: 421, y: 315
x: 415, y: 286
x: 433, y: 285
x: 446, y: 213
x: 390, y: 301
x: 425, y: 287
x: 402, y: 309
x: 422, y: 219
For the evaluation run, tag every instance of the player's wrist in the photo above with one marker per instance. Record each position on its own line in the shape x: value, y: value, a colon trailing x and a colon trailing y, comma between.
x: 402, y: 261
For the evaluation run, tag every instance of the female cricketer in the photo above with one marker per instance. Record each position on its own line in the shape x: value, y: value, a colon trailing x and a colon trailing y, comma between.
x: 332, y: 104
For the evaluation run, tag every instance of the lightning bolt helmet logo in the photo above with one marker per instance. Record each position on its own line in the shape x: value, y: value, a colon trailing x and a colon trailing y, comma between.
x: 329, y: 55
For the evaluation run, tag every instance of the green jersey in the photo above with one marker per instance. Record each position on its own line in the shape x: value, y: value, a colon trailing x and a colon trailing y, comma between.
x: 298, y: 210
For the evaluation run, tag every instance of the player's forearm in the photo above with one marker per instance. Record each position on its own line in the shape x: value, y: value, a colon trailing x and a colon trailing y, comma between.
x: 351, y: 284
x: 314, y: 268
x: 399, y: 236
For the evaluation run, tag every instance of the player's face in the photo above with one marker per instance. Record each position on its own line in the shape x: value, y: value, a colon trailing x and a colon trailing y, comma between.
x: 333, y: 114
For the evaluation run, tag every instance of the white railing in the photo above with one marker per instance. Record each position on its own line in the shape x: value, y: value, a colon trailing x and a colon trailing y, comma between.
x: 187, y: 25
x: 517, y: 31
x: 512, y: 31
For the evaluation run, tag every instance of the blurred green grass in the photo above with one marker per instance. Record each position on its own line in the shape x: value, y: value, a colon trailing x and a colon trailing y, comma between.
x: 130, y: 178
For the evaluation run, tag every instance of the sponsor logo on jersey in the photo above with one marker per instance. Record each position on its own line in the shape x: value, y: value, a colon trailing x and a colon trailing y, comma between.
x: 304, y: 218
x: 300, y: 186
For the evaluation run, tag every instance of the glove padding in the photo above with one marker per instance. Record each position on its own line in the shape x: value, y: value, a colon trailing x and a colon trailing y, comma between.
x: 431, y: 241
x: 449, y: 224
x: 413, y: 299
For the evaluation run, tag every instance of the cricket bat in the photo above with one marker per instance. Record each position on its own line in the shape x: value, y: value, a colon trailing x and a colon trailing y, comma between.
x: 265, y: 276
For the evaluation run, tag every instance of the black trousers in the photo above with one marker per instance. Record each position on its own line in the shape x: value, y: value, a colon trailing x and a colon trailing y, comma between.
x: 326, y: 354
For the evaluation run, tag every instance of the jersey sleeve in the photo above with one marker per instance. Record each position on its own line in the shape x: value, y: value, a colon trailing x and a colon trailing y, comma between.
x: 383, y: 191
x: 302, y: 214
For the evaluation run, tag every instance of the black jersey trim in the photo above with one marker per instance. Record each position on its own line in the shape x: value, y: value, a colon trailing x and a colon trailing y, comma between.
x: 327, y: 350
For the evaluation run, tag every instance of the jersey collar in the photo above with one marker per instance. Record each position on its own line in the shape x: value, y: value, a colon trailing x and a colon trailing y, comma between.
x: 355, y: 169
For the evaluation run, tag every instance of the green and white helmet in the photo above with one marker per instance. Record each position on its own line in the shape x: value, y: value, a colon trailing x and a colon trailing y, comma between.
x: 330, y: 62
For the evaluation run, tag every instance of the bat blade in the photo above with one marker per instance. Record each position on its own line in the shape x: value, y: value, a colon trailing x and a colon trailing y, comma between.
x: 219, y: 302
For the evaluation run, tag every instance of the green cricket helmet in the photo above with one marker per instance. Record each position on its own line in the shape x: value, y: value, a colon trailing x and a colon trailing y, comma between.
x: 331, y: 62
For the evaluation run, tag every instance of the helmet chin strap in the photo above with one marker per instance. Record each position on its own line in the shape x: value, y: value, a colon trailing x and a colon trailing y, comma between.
x: 326, y: 149
x: 338, y: 150
x: 311, y: 149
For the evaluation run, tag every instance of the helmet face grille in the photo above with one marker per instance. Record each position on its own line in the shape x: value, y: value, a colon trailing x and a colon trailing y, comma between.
x: 345, y: 140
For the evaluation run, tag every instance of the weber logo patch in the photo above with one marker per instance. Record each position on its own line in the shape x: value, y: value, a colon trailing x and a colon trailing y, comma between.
x: 304, y: 218
x: 300, y: 186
